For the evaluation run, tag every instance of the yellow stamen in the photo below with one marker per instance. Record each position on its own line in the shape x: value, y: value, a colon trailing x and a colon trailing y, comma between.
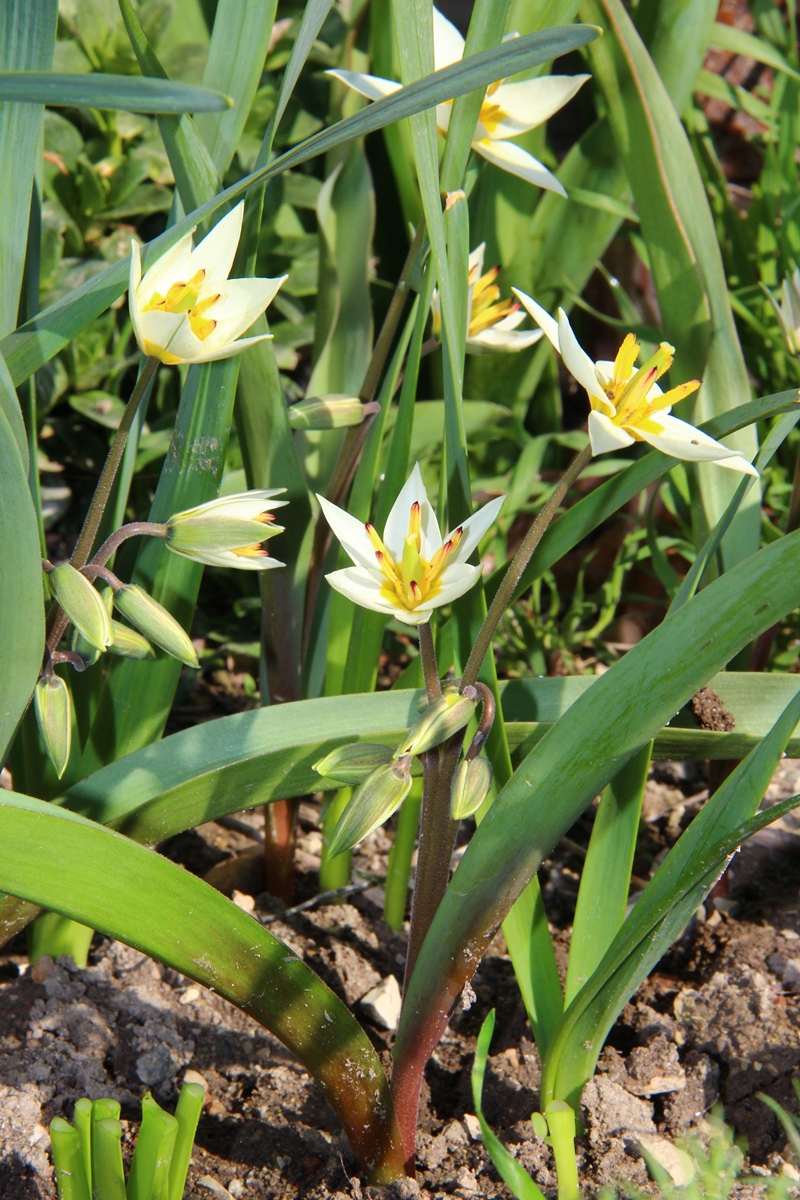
x: 185, y: 298
x: 491, y: 316
x: 413, y: 579
x: 254, y: 551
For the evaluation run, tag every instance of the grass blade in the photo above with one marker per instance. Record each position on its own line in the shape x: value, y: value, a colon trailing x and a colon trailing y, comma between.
x: 126, y: 92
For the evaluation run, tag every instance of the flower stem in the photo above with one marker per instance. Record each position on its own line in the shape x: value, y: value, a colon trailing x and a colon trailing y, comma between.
x: 430, y: 669
x: 505, y: 592
x: 134, y: 529
x: 83, y: 546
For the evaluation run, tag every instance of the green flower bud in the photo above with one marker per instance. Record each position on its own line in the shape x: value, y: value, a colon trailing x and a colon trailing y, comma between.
x: 128, y: 643
x: 329, y: 412
x: 451, y: 712
x: 82, y: 604
x: 53, y: 716
x: 351, y: 764
x: 471, y: 784
x: 79, y: 644
x: 228, y: 532
x: 381, y: 793
x: 155, y: 623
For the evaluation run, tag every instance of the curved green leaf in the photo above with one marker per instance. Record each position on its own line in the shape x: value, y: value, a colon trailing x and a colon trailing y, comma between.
x: 614, y: 718
x: 93, y: 875
x: 127, y: 92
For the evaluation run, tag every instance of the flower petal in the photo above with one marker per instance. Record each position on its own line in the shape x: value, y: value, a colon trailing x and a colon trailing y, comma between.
x: 169, y: 267
x: 606, y: 436
x: 363, y: 589
x: 216, y: 252
x: 497, y: 338
x: 546, y: 323
x: 576, y: 360
x: 134, y: 279
x: 681, y: 440
x: 457, y: 578
x: 473, y: 530
x: 512, y: 158
x: 371, y: 86
x: 161, y: 335
x: 528, y: 104
x: 448, y: 44
x: 231, y: 350
x: 396, y: 529
x: 245, y: 506
x: 241, y: 302
x: 351, y: 534
x: 227, y: 558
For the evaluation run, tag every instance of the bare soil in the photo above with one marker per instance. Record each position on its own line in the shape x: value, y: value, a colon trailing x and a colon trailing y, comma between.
x: 717, y: 1020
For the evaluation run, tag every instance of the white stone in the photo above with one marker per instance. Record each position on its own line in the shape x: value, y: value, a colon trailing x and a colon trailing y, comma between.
x: 677, y: 1163
x: 383, y: 1003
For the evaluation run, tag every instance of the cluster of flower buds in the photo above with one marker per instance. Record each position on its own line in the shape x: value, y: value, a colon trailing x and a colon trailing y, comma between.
x: 230, y: 532
x: 382, y: 776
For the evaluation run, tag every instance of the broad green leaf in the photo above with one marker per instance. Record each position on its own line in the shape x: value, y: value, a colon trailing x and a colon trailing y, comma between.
x: 10, y: 409
x: 101, y: 879
x: 681, y: 883
x: 21, y: 599
x: 27, y: 39
x: 35, y: 342
x: 678, y: 228
x: 605, y: 727
x: 239, y: 44
x: 126, y: 92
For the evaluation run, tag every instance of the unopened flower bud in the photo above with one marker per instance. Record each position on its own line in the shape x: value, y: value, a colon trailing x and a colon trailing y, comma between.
x: 329, y: 412
x: 54, y: 719
x: 155, y: 623
x: 228, y: 532
x: 82, y: 604
x: 90, y: 654
x: 471, y: 784
x: 380, y: 794
x: 351, y: 764
x: 788, y: 310
x: 128, y: 643
x: 446, y: 716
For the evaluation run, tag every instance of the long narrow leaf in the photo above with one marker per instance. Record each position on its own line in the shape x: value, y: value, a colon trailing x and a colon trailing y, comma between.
x: 126, y: 92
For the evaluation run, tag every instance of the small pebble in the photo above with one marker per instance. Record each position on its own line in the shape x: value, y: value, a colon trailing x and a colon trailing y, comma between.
x: 236, y: 1187
x: 189, y: 996
x: 383, y: 1003
x: 473, y: 1127
x: 243, y: 901
x: 214, y: 1187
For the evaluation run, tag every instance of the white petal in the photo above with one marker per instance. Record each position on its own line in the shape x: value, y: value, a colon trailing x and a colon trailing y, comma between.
x: 241, y: 302
x: 576, y: 360
x: 246, y: 506
x: 448, y: 44
x: 229, y: 351
x: 396, y: 530
x: 159, y: 330
x: 226, y: 558
x: 476, y: 260
x: 528, y: 104
x: 605, y: 436
x: 497, y: 338
x: 543, y: 319
x: 170, y: 267
x: 474, y: 528
x: 457, y: 578
x: 362, y: 588
x: 351, y: 533
x: 681, y: 440
x: 134, y: 280
x: 371, y: 86
x: 512, y: 158
x: 216, y: 253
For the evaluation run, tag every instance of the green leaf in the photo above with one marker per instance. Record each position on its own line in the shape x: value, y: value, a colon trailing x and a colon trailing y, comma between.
x: 35, y: 342
x: 126, y: 92
x: 102, y: 879
x: 11, y: 411
x: 21, y: 599
x: 27, y: 39
x: 514, y: 1176
x: 605, y: 727
x: 681, y: 883
x: 748, y: 45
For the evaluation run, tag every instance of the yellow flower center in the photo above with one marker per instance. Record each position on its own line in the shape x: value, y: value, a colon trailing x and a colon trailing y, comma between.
x: 487, y: 307
x: 254, y: 551
x: 628, y: 390
x: 412, y: 579
x: 185, y: 298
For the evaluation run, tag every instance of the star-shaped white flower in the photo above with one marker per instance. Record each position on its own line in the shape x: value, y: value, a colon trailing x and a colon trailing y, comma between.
x: 411, y: 570
x: 627, y: 404
x: 508, y: 109
x: 492, y: 322
x: 185, y: 309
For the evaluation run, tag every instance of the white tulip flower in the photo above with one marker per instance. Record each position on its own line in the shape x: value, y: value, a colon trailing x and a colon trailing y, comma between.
x: 411, y: 570
x: 228, y: 532
x: 508, y: 109
x: 492, y: 323
x: 185, y: 309
x: 627, y: 405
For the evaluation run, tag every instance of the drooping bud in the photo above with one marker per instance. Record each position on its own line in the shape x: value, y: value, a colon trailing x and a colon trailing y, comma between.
x: 54, y: 719
x: 329, y: 412
x: 90, y: 654
x: 128, y: 643
x: 82, y: 604
x: 471, y: 784
x: 380, y: 794
x: 148, y: 616
x: 228, y: 532
x: 446, y: 716
x: 351, y: 764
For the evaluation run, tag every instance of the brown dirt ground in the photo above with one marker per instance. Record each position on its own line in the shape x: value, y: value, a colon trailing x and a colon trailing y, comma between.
x: 718, y: 1019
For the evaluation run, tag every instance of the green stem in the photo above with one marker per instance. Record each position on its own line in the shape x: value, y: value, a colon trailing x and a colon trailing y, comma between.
x: 505, y: 592
x: 83, y: 546
x: 561, y: 1124
x: 430, y: 669
x: 334, y: 872
x: 70, y: 1172
x: 398, y: 868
